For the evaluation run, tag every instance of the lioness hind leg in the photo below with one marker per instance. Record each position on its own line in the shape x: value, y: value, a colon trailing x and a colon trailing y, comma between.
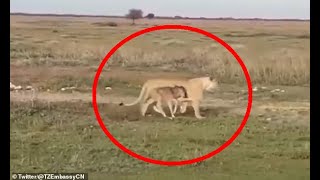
x: 145, y: 106
x: 155, y: 109
x: 159, y: 108
x: 155, y: 106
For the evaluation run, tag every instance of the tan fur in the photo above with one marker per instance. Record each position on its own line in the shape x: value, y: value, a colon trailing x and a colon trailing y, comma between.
x: 194, y: 87
x: 168, y: 95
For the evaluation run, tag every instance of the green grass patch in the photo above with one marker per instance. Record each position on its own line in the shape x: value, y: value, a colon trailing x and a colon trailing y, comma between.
x: 65, y: 137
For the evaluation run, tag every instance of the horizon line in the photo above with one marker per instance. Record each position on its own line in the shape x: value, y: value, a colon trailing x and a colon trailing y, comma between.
x: 159, y: 17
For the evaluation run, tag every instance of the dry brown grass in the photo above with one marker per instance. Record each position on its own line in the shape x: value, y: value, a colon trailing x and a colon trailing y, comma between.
x: 274, y: 52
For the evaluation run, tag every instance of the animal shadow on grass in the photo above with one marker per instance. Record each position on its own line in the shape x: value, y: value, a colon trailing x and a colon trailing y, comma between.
x: 205, y: 111
x: 114, y: 112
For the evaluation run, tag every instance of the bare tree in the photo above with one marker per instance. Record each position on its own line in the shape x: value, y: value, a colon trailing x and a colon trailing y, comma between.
x: 134, y: 14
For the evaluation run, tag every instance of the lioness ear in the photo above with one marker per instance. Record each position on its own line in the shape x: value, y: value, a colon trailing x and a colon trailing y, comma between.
x: 211, y: 78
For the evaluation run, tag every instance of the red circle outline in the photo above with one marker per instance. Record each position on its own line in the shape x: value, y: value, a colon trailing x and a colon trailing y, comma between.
x: 160, y: 162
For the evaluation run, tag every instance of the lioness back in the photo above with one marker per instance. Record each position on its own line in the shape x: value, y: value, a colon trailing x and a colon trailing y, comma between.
x: 194, y: 87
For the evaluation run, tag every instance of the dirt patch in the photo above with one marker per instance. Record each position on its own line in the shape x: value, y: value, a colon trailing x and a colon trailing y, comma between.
x: 109, y: 106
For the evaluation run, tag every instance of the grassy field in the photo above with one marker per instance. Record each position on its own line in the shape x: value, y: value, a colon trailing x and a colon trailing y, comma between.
x: 55, y: 130
x: 66, y: 138
x: 274, y: 52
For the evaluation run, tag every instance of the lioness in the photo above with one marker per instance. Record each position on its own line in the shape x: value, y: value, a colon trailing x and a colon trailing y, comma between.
x: 169, y: 95
x: 194, y: 88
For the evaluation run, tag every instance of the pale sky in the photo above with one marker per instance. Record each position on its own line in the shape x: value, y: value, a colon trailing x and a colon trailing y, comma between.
x: 290, y: 9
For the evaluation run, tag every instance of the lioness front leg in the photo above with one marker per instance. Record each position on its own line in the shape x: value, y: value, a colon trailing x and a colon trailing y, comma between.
x: 196, y: 108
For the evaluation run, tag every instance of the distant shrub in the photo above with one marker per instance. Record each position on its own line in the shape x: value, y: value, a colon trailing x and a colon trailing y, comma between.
x: 150, y: 16
x: 112, y: 24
